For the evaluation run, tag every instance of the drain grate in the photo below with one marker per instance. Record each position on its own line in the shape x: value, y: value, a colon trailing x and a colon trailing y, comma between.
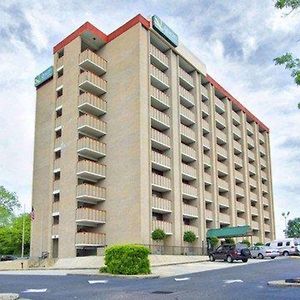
x: 162, y: 292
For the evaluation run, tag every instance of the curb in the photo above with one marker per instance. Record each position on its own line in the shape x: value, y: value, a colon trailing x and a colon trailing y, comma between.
x: 116, y: 275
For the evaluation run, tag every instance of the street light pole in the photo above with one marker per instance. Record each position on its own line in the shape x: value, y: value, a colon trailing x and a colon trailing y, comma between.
x: 285, y: 215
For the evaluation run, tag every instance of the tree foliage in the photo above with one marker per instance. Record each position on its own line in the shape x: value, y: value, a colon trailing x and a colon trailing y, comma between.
x: 289, y: 4
x: 8, y: 200
x: 158, y: 235
x: 11, y: 236
x: 189, y: 236
x: 229, y: 241
x: 246, y: 242
x: 213, y: 241
x: 293, y: 230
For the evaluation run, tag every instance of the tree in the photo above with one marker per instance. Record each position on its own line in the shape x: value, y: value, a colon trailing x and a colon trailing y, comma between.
x: 288, y: 60
x: 229, y: 241
x: 293, y: 230
x: 213, y: 241
x: 158, y: 235
x: 8, y: 203
x: 189, y: 237
x: 246, y: 242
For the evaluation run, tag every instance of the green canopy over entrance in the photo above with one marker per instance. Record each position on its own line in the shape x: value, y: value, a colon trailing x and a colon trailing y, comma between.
x: 227, y: 232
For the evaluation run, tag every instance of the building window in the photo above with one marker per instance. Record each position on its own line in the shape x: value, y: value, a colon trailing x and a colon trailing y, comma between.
x: 60, y: 72
x: 60, y: 53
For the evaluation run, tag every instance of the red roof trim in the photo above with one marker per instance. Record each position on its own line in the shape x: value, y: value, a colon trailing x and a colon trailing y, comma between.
x: 237, y: 103
x: 106, y: 38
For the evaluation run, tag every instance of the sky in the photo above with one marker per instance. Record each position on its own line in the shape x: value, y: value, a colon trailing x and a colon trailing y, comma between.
x: 237, y: 40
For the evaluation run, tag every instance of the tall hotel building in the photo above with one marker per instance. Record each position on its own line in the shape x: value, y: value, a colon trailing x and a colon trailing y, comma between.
x: 132, y: 135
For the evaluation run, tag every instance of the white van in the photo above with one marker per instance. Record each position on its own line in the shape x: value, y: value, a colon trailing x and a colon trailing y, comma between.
x: 286, y: 247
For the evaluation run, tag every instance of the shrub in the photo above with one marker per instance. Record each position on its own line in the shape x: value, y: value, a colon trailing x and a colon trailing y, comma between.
x: 258, y: 244
x: 158, y: 235
x: 229, y: 241
x: 246, y: 242
x: 189, y: 236
x: 127, y: 260
x: 103, y: 269
x: 214, y: 241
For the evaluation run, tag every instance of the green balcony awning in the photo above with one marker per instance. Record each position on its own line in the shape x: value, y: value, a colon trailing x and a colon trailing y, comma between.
x: 227, y: 232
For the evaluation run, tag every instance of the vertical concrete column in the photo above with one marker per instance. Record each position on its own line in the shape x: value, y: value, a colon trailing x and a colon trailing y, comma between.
x: 246, y: 168
x: 176, y: 192
x: 230, y: 163
x: 270, y: 184
x: 200, y: 166
x: 214, y: 170
x: 67, y: 225
x: 259, y: 184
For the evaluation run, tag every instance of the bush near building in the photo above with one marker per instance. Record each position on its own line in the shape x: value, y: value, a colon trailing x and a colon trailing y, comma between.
x: 189, y: 237
x: 246, y: 242
x: 127, y: 260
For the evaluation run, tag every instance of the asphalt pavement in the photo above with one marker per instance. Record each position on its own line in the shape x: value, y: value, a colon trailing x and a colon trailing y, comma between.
x: 245, y: 281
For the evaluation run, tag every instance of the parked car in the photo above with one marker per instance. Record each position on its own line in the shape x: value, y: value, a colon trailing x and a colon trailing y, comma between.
x: 230, y: 252
x: 286, y: 247
x: 7, y: 257
x: 263, y: 251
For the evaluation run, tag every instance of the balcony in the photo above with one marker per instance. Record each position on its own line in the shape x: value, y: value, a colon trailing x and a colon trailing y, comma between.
x: 252, y: 182
x: 189, y: 211
x: 223, y: 201
x: 238, y: 176
x: 239, y: 191
x: 222, y: 152
x: 91, y: 104
x: 59, y: 63
x: 249, y: 128
x: 266, y: 215
x: 58, y: 103
x: 208, y: 196
x: 223, y: 185
x: 237, y: 147
x: 186, y: 80
x: 88, y: 193
x: 158, y: 78
x: 208, y: 215
x: 206, y: 160
x: 57, y: 144
x: 188, y: 136
x: 205, y: 126
x: 224, y: 218
x: 90, y: 217
x: 221, y: 136
x: 240, y: 207
x: 252, y: 169
x: 220, y: 120
x: 90, y: 239
x: 267, y: 228
x: 253, y: 196
x: 90, y: 61
x: 91, y: 83
x: 187, y: 117
x: 263, y: 175
x: 265, y: 188
x: 205, y: 109
x: 262, y: 149
x: 55, y: 231
x: 204, y: 92
x: 206, y: 143
x: 188, y: 172
x: 191, y: 228
x: 159, y: 120
x: 188, y: 191
x: 91, y: 126
x: 160, y: 140
x: 160, y: 161
x: 261, y: 137
x: 188, y: 154
x: 158, y: 58
x: 161, y: 205
x: 240, y: 221
x: 254, y: 225
x: 236, y: 118
x: 58, y: 123
x: 163, y: 225
x: 89, y: 170
x: 236, y: 132
x: 220, y: 106
x: 59, y: 83
x: 263, y: 163
x: 250, y: 142
x: 159, y: 99
x: 56, y: 165
x: 265, y: 201
x: 56, y: 187
x: 238, y: 161
x: 160, y: 183
x: 207, y: 178
x: 186, y: 98
x: 251, y: 155
x: 222, y: 168
x: 90, y: 148
x: 254, y: 211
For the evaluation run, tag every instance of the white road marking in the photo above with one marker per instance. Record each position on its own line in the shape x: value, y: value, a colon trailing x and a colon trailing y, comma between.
x: 234, y: 280
x: 182, y: 279
x: 35, y: 291
x: 97, y: 281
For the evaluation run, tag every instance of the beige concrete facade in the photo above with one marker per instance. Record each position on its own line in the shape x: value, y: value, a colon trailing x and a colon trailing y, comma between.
x: 132, y: 136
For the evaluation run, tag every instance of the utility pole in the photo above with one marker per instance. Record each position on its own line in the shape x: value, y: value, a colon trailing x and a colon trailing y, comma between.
x: 285, y: 215
x: 23, y: 231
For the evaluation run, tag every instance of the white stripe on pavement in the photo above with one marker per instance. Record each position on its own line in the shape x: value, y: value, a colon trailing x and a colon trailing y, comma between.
x: 182, y: 279
x: 97, y: 281
x: 232, y: 281
x: 35, y: 291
